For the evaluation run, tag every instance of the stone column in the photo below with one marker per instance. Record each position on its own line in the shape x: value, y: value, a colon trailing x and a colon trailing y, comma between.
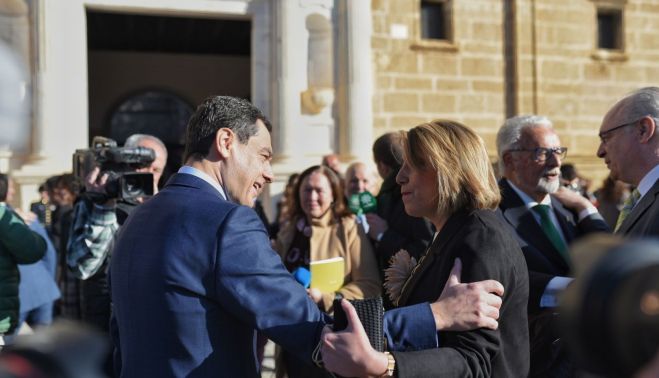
x: 356, y: 79
x: 14, y: 26
x: 15, y: 79
x: 286, y: 95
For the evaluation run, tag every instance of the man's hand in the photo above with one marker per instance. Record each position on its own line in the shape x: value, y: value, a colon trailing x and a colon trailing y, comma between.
x: 315, y: 295
x: 349, y: 353
x: 96, y: 184
x: 468, y: 306
x: 571, y: 199
x: 376, y: 225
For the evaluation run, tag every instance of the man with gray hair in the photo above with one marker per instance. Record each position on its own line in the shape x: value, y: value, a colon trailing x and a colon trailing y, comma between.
x: 545, y: 218
x: 629, y: 145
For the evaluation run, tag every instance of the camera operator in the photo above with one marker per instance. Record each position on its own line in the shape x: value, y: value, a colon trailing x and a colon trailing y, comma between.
x: 97, y: 217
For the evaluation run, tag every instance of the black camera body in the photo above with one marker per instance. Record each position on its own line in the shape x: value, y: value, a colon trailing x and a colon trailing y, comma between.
x: 610, y: 313
x: 120, y: 163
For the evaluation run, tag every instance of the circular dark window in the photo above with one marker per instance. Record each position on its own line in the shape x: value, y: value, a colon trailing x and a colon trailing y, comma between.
x: 157, y: 113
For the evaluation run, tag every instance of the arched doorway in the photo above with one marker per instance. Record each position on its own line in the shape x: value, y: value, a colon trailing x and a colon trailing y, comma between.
x: 147, y: 72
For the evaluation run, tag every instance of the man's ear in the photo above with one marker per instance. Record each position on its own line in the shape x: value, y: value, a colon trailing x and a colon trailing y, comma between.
x: 647, y: 126
x: 507, y: 160
x: 224, y: 142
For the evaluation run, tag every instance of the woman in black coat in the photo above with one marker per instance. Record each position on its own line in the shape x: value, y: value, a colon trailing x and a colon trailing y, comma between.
x: 447, y: 178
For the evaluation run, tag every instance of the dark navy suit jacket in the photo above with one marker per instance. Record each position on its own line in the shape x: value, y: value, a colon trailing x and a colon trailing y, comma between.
x: 643, y: 220
x: 192, y: 277
x: 543, y: 259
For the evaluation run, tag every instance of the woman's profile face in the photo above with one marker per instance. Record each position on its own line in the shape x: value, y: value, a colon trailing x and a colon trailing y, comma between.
x: 418, y: 187
x: 315, y: 195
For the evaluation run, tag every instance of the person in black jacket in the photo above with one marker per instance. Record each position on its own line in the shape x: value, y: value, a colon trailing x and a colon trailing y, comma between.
x: 530, y: 158
x: 447, y: 178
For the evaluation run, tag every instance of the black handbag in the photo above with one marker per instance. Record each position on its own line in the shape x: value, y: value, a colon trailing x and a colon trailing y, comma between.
x: 370, y: 312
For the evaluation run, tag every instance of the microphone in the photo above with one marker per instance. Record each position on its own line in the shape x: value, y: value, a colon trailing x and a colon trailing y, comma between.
x: 303, y: 276
x: 362, y: 203
x: 368, y: 203
x: 354, y: 205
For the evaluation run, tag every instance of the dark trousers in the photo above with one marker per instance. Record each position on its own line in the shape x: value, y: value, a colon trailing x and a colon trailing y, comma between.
x: 549, y: 358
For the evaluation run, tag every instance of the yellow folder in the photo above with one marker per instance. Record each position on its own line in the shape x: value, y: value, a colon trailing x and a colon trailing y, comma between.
x: 327, y: 275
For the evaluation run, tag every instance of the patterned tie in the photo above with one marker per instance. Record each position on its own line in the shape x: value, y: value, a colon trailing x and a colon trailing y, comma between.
x: 627, y: 207
x: 551, y: 231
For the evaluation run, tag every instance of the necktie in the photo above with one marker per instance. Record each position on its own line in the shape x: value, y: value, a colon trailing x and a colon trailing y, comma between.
x: 627, y: 207
x: 551, y: 231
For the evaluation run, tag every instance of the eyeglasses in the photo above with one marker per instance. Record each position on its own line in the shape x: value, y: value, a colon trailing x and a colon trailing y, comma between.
x: 541, y: 154
x: 604, y: 138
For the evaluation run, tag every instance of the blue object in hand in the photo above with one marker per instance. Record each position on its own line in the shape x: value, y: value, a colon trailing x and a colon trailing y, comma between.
x: 303, y: 276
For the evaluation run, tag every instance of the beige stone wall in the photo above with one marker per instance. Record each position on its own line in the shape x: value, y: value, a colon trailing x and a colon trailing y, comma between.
x: 559, y: 72
x: 575, y: 83
x: 416, y: 81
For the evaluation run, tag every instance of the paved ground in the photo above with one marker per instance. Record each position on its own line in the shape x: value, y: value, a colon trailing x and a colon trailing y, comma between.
x: 268, y: 370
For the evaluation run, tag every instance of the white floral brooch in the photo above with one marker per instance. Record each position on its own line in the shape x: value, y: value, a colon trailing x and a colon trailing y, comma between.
x: 400, y: 267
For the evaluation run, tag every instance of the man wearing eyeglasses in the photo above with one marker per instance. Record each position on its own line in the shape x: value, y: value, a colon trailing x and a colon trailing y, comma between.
x: 545, y: 218
x: 629, y: 145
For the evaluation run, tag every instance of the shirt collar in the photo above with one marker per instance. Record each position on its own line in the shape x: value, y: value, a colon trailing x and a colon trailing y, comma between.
x: 188, y: 170
x: 648, y: 180
x: 528, y: 201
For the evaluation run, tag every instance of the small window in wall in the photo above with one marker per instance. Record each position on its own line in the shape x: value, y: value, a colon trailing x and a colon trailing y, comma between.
x: 609, y: 29
x: 436, y: 20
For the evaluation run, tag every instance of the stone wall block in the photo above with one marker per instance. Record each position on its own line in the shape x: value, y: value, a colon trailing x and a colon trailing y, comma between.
x: 438, y: 103
x: 401, y: 102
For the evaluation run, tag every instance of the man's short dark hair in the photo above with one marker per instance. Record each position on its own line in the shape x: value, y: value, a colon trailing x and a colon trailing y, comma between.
x: 70, y: 182
x: 388, y: 150
x: 4, y: 187
x: 51, y: 183
x: 218, y: 112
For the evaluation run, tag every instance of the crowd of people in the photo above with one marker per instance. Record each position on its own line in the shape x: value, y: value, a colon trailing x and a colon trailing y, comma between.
x: 470, y: 259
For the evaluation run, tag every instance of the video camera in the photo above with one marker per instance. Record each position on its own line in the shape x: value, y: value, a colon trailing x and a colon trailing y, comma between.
x: 610, y: 313
x: 120, y: 163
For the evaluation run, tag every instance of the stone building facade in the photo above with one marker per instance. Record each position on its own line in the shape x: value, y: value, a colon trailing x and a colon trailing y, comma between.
x: 335, y: 74
x: 507, y: 57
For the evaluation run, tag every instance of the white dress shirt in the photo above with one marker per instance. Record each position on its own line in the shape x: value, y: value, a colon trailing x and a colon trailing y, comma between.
x: 188, y: 170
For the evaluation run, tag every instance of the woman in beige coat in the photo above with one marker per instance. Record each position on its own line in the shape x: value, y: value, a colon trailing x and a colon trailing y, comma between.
x: 321, y: 228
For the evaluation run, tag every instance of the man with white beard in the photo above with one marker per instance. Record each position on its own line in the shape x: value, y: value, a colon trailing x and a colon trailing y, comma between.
x: 546, y: 218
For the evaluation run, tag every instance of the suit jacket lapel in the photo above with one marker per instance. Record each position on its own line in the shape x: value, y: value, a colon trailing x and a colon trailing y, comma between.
x: 526, y: 225
x: 640, y: 208
x: 450, y: 229
x: 565, y: 219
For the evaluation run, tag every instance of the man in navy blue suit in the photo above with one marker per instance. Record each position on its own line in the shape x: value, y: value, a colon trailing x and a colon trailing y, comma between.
x: 193, y: 274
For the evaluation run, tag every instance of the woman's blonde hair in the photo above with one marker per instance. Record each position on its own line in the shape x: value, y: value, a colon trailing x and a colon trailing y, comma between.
x: 465, y: 179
